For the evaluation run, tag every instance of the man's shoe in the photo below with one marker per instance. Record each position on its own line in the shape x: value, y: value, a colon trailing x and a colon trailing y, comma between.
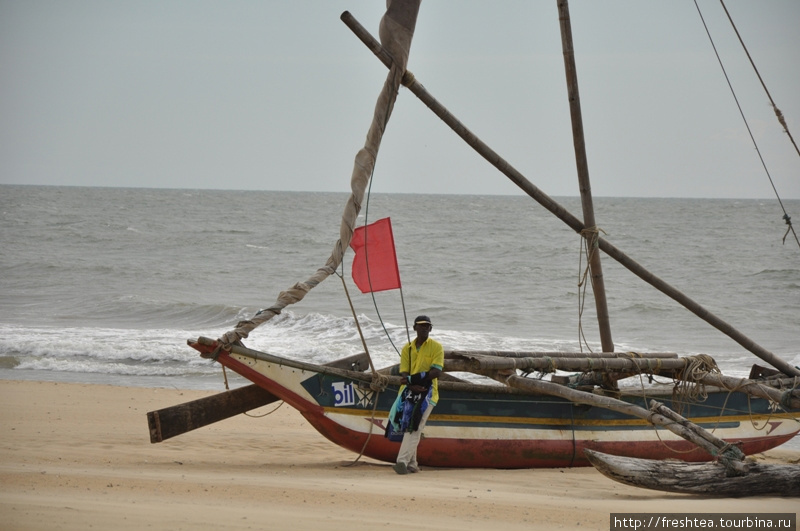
x: 412, y: 469
x: 401, y: 468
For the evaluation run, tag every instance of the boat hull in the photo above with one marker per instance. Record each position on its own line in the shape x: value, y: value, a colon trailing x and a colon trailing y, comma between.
x: 508, y: 430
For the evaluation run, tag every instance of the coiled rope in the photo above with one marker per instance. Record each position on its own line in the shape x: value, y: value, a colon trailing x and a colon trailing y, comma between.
x: 689, y: 387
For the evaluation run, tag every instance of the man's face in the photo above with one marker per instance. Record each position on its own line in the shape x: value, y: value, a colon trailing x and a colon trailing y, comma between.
x: 422, y: 329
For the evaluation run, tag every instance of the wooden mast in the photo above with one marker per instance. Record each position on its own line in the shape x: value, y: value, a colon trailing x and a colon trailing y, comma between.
x: 591, y: 231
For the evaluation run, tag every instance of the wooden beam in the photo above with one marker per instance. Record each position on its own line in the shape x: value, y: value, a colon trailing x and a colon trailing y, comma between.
x: 552, y: 354
x: 480, y: 364
x: 176, y: 420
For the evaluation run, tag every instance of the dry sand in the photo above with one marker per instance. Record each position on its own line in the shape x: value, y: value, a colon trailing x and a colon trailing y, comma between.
x: 79, y: 457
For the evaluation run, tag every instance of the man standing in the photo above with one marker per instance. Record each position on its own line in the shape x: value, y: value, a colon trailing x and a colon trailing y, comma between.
x: 421, y: 363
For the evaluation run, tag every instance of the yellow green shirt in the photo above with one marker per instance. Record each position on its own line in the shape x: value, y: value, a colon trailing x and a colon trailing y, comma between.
x: 429, y: 355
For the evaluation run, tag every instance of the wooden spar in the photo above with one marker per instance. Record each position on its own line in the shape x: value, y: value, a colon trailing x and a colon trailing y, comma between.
x: 719, y: 447
x: 176, y: 420
x: 542, y: 354
x: 591, y: 233
x: 652, y: 363
x: 689, y: 431
x: 789, y: 398
x: 182, y: 418
x: 559, y: 211
x: 481, y: 364
x: 707, y: 479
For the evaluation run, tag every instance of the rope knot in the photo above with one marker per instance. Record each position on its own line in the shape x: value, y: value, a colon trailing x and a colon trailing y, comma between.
x: 379, y: 383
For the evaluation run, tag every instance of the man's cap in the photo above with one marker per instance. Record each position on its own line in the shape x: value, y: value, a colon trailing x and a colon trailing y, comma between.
x: 423, y: 319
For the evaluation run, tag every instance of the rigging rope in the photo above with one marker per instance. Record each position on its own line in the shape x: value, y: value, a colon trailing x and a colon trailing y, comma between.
x: 778, y: 113
x: 786, y: 216
x: 589, y: 244
x: 369, y: 277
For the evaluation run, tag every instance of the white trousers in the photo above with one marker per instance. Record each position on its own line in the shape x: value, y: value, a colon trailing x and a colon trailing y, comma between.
x: 408, y: 448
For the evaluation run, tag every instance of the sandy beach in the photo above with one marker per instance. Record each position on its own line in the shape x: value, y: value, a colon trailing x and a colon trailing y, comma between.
x: 77, y: 457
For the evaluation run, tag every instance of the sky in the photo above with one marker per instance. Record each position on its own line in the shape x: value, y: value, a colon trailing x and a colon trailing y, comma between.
x: 278, y: 95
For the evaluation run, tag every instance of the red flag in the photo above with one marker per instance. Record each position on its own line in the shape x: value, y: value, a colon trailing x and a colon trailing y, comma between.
x: 375, y: 262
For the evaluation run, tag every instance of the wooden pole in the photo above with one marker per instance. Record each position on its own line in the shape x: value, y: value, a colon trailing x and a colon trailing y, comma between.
x: 547, y: 354
x: 556, y: 209
x: 480, y: 364
x: 182, y: 418
x: 591, y: 233
x: 789, y: 398
x: 176, y: 420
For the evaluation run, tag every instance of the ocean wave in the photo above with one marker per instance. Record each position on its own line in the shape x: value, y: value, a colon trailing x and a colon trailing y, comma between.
x: 127, y: 311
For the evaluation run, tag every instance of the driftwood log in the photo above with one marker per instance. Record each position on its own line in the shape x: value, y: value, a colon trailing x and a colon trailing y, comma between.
x: 708, y: 479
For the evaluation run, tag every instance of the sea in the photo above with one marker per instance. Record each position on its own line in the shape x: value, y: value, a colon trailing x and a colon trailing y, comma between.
x: 106, y: 285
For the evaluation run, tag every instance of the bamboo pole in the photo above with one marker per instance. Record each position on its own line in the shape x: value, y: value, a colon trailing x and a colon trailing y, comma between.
x: 480, y: 364
x: 591, y: 234
x: 542, y: 354
x: 789, y: 398
x: 559, y: 211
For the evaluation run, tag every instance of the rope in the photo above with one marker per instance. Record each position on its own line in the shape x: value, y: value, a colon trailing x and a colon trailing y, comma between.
x: 265, y: 414
x: 369, y: 276
x: 786, y: 396
x: 590, y: 243
x: 379, y: 381
x: 778, y: 113
x: 371, y: 426
x: 786, y: 216
x: 358, y: 325
x: 689, y: 389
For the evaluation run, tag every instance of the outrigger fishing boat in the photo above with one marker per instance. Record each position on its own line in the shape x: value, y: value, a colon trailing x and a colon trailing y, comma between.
x: 505, y: 417
x: 515, y: 426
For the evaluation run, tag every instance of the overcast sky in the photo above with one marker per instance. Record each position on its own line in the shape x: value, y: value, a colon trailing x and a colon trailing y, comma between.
x: 278, y: 95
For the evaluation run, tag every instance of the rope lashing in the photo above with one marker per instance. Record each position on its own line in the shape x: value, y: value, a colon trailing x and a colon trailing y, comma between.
x: 591, y: 234
x: 379, y: 383
x: 727, y: 455
x: 787, y: 395
x: 689, y: 388
x: 408, y: 79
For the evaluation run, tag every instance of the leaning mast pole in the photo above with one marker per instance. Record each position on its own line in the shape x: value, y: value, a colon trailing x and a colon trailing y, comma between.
x: 591, y: 232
